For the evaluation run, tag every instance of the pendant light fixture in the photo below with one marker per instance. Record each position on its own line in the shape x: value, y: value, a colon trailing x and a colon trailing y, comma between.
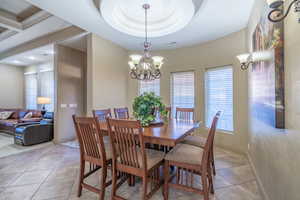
x: 145, y: 67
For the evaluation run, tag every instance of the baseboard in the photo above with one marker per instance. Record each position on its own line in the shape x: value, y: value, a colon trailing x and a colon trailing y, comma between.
x: 259, y: 182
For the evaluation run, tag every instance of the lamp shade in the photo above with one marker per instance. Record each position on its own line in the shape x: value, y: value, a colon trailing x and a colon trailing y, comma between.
x: 275, y: 3
x: 43, y: 100
x: 262, y: 56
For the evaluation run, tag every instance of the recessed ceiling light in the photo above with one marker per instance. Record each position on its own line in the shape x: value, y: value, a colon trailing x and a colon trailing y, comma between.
x: 31, y: 57
x: 16, y: 62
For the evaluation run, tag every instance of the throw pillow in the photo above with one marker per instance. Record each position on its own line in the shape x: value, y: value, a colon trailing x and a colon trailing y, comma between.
x: 5, y: 115
x: 22, y: 114
x: 28, y: 115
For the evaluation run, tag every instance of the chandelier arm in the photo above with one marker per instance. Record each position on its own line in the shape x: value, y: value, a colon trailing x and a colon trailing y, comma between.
x: 284, y: 15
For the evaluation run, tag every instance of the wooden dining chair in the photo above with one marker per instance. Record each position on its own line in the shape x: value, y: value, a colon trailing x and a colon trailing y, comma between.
x: 121, y: 113
x: 186, y: 114
x: 200, y: 141
x: 169, y: 111
x: 131, y: 157
x: 93, y: 151
x: 190, y: 160
x: 102, y: 114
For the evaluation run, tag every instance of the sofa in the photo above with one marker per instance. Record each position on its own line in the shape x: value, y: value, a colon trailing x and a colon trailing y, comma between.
x: 31, y: 133
x: 17, y: 117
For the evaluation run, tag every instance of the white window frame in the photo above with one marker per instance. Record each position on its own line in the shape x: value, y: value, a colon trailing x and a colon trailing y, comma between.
x: 206, y: 100
x: 140, y: 83
x: 172, y: 90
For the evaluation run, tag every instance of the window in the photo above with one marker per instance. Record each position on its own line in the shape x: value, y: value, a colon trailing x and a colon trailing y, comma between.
x: 39, y: 82
x: 47, y: 87
x: 183, y: 90
x: 31, y: 90
x: 150, y: 86
x: 219, y: 96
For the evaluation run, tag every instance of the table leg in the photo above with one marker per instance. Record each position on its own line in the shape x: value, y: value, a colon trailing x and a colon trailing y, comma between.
x: 131, y: 181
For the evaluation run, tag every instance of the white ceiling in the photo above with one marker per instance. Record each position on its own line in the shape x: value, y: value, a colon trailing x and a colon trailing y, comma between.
x: 36, y: 56
x: 215, y: 19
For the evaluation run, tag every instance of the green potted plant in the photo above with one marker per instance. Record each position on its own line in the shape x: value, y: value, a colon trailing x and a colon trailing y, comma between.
x: 145, y: 107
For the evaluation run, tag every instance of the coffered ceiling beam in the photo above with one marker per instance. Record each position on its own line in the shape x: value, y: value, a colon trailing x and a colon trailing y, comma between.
x: 6, y: 34
x: 35, y: 19
x: 9, y: 22
x: 27, y: 23
x: 51, y: 38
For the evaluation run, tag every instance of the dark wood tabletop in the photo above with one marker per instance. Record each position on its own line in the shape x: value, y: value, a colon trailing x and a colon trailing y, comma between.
x: 168, y: 134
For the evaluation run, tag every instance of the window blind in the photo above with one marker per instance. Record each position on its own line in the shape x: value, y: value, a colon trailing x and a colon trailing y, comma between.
x: 150, y: 86
x: 31, y: 91
x: 47, y: 87
x: 183, y: 90
x: 219, y: 96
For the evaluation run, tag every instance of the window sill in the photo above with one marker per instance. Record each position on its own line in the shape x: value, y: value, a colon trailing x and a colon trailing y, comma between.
x: 222, y: 131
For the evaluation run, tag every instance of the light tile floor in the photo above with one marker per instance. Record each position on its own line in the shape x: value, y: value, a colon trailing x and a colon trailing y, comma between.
x: 51, y: 173
x: 7, y: 146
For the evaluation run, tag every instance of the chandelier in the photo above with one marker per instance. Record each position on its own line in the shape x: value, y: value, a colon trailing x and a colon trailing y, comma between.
x: 145, y: 67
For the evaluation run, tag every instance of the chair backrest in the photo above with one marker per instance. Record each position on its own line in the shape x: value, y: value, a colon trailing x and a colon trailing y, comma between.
x: 90, y: 139
x: 169, y: 112
x: 101, y: 115
x: 210, y: 139
x: 121, y: 113
x: 186, y: 114
x: 127, y: 141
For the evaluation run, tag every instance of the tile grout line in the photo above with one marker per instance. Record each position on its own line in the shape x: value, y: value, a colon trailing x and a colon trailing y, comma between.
x: 40, y: 185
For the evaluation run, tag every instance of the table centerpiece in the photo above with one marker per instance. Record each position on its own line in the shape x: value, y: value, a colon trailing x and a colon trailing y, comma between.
x: 149, y: 109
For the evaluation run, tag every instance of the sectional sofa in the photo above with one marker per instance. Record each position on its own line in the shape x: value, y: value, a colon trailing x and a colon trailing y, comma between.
x: 17, y: 118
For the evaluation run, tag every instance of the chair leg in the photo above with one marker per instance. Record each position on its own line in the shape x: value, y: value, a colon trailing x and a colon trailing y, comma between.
x: 210, y: 180
x: 205, y: 185
x: 145, y: 185
x: 81, y: 177
x: 103, y: 183
x: 213, y: 161
x: 166, y: 177
x: 114, y: 182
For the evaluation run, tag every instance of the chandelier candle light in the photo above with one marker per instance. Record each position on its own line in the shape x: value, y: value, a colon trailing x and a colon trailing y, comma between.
x: 145, y: 67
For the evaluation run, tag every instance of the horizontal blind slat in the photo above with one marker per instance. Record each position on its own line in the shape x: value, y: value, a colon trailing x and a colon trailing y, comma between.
x: 219, y: 96
x: 183, y: 90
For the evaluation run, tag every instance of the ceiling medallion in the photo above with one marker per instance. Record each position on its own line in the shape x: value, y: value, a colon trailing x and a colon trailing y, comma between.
x: 164, y: 18
x: 145, y: 67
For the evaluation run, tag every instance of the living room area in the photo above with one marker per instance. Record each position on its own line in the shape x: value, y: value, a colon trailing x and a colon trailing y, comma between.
x: 27, y: 101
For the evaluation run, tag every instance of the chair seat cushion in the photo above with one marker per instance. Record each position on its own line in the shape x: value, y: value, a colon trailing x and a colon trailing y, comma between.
x: 185, y: 153
x: 153, y: 157
x: 195, y: 140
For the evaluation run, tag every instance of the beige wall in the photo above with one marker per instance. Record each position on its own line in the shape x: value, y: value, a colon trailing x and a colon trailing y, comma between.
x: 275, y: 153
x: 70, y: 65
x: 220, y: 52
x: 107, y: 74
x: 11, y: 86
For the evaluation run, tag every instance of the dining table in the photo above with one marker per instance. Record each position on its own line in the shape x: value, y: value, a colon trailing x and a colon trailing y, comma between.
x: 168, y: 133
